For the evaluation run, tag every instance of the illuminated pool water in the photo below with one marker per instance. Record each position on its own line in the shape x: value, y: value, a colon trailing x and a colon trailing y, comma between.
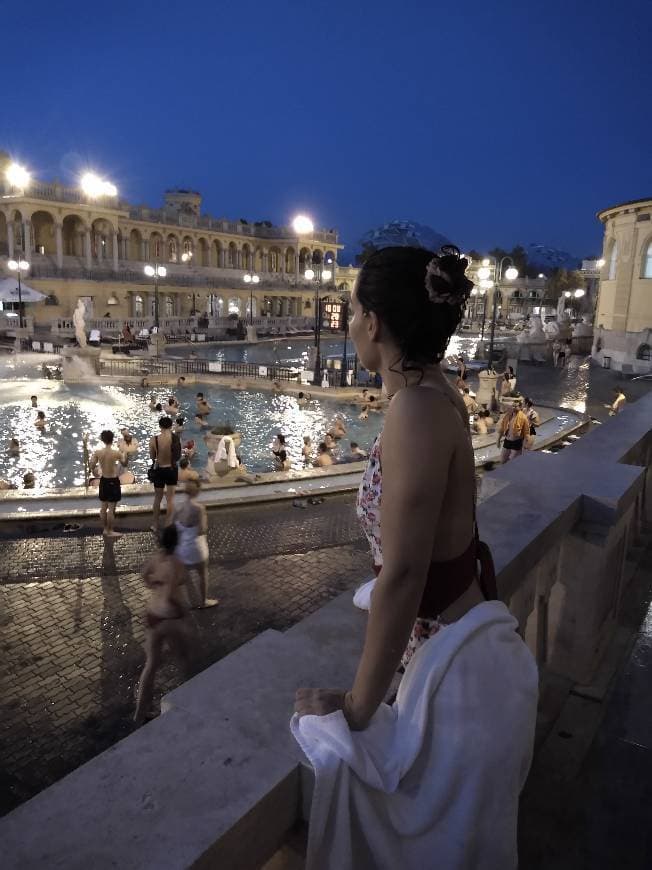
x: 292, y: 351
x: 56, y: 455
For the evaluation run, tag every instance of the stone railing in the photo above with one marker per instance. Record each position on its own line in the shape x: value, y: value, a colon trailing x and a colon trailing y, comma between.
x: 217, y: 780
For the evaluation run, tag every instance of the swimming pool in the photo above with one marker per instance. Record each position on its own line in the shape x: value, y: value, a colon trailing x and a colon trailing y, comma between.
x: 293, y: 351
x: 56, y: 454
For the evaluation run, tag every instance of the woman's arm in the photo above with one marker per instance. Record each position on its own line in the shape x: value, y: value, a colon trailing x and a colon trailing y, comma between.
x: 411, y: 503
x: 203, y: 521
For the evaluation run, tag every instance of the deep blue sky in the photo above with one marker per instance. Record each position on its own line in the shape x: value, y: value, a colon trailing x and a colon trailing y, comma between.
x: 495, y: 123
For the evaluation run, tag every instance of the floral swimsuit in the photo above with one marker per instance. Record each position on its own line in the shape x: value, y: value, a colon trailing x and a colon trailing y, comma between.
x: 368, y: 510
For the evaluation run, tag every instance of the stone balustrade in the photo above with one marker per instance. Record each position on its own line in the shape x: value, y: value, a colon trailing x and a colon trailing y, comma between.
x: 217, y: 780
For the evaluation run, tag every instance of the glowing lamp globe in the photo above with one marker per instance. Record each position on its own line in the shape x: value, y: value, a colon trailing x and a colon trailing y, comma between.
x: 302, y: 225
x: 17, y: 175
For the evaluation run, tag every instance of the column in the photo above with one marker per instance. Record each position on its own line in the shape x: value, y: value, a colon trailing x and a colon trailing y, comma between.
x: 296, y: 265
x: 27, y: 239
x: 282, y: 262
x: 265, y: 259
x: 115, y: 251
x: 222, y: 257
x: 10, y: 238
x: 238, y: 258
x: 58, y: 236
x: 87, y: 248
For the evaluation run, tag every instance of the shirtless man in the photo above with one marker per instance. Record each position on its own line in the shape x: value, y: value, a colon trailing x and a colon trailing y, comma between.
x: 165, y: 452
x: 109, y: 459
x: 186, y: 472
x: 323, y: 457
x: 203, y: 409
x: 127, y: 444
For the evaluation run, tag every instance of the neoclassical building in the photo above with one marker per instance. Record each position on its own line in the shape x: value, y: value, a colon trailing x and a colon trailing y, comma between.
x: 623, y: 318
x: 96, y: 249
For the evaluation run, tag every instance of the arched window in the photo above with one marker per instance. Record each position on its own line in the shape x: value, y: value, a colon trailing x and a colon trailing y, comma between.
x: 647, y: 261
x: 217, y: 306
x: 255, y: 307
x: 138, y: 306
x: 187, y: 246
x: 613, y: 261
x: 643, y: 351
x: 169, y: 306
x: 172, y: 251
x: 156, y: 249
x: 234, y: 305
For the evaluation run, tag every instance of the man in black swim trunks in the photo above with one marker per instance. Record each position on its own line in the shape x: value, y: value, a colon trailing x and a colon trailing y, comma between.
x: 165, y: 453
x: 109, y: 459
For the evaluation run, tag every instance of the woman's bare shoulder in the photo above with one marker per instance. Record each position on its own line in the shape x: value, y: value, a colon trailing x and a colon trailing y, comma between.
x: 423, y: 407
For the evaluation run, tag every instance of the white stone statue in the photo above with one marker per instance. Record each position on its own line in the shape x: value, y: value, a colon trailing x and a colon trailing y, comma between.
x: 551, y: 330
x: 535, y: 334
x: 584, y: 328
x: 78, y: 318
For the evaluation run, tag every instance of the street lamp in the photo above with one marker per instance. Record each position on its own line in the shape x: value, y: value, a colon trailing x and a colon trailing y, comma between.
x: 19, y: 266
x: 95, y: 187
x: 344, y: 316
x: 17, y: 176
x: 155, y: 272
x: 303, y: 226
x: 510, y: 274
x: 251, y: 280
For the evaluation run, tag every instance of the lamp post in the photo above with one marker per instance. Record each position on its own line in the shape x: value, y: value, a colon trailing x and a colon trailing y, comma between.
x: 19, y: 266
x: 155, y: 272
x: 484, y: 274
x: 251, y: 280
x: 482, y: 292
x: 345, y: 316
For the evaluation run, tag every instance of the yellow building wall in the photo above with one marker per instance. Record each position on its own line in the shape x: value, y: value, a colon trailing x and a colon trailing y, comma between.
x: 606, y: 302
x: 640, y: 305
x: 68, y: 292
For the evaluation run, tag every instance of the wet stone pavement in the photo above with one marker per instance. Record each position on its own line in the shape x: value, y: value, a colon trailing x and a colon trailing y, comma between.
x: 72, y: 633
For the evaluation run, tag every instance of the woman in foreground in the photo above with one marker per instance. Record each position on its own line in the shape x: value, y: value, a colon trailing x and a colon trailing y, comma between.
x: 434, y: 779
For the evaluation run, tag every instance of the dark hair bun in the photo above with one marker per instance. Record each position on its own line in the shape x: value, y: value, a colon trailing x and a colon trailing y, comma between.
x: 445, y: 278
x: 419, y: 296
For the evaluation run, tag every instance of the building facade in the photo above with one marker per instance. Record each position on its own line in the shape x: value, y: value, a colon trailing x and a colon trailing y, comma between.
x: 623, y: 318
x: 96, y: 249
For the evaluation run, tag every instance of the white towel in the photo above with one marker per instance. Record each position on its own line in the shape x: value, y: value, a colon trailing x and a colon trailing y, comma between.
x: 434, y: 780
x: 362, y: 596
x: 226, y: 452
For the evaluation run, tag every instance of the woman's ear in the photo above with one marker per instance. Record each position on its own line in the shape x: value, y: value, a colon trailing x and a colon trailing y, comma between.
x: 373, y: 326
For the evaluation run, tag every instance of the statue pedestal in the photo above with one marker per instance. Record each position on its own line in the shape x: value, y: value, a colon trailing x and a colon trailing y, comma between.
x: 157, y: 342
x: 487, y: 388
x: 252, y: 335
x: 80, y: 364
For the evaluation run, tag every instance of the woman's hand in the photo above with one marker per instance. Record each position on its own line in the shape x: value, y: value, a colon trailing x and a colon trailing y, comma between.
x: 321, y: 702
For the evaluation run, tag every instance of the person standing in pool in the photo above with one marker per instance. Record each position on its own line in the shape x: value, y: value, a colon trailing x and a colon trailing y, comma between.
x: 109, y: 460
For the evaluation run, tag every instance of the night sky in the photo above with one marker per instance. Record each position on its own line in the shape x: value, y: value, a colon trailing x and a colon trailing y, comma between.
x: 494, y: 123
